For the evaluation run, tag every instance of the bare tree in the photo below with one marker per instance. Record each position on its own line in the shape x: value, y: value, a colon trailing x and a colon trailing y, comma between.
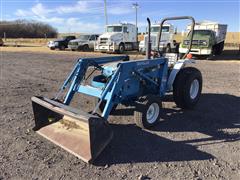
x: 27, y: 29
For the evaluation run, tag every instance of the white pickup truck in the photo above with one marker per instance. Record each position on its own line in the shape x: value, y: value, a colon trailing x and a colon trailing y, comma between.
x: 208, y: 39
x: 117, y: 38
x: 167, y: 44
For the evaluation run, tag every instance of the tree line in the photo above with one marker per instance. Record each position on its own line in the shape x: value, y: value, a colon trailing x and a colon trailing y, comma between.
x: 26, y: 29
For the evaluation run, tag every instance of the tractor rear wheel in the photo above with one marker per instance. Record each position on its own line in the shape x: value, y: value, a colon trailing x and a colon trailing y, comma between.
x: 148, y: 111
x: 187, y: 87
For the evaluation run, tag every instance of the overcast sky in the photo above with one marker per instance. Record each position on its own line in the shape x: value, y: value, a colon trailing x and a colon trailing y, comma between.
x: 88, y: 15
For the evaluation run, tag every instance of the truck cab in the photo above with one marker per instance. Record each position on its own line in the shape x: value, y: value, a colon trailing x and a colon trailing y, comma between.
x: 167, y: 44
x: 202, y: 43
x: 117, y: 38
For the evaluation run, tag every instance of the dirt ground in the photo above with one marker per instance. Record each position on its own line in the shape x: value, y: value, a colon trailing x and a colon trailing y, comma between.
x: 203, y: 143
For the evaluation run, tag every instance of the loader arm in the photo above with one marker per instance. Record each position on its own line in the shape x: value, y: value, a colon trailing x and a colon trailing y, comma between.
x: 76, y: 76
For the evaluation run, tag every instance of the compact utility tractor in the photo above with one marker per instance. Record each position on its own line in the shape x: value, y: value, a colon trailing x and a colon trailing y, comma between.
x: 139, y: 83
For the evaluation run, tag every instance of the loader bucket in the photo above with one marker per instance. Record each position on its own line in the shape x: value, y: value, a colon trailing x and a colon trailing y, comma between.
x: 80, y: 133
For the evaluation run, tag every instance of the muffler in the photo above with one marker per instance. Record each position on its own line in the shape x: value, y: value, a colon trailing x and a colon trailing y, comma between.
x: 80, y: 133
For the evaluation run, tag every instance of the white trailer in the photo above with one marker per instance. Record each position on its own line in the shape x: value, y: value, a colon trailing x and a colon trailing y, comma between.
x: 117, y: 38
x: 208, y: 39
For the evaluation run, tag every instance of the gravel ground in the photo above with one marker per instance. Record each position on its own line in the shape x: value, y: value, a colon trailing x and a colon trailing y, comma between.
x: 199, y: 144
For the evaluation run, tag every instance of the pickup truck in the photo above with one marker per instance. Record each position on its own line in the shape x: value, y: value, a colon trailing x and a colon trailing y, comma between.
x: 84, y: 42
x: 60, y: 44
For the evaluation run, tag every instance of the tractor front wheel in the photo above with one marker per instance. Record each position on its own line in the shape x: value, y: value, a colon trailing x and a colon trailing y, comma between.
x: 187, y: 87
x: 148, y: 111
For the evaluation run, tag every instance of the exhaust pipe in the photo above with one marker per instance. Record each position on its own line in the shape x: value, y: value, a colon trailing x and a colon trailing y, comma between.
x: 148, y: 50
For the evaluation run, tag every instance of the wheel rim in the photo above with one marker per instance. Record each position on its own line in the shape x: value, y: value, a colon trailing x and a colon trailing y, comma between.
x: 194, y: 89
x: 152, y: 113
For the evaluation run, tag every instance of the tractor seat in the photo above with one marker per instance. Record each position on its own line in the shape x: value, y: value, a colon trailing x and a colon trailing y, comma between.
x: 99, y: 81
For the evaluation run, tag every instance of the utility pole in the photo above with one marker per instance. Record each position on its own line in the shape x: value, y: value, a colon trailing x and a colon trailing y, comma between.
x: 105, y: 12
x: 136, y: 6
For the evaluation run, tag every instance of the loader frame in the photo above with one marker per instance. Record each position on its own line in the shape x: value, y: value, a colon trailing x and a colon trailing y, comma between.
x: 154, y: 73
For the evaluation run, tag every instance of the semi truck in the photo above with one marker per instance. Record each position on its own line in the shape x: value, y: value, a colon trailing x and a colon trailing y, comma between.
x: 117, y: 38
x: 208, y: 39
x: 167, y: 43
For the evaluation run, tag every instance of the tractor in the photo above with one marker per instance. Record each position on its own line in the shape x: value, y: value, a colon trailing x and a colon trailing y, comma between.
x: 140, y: 83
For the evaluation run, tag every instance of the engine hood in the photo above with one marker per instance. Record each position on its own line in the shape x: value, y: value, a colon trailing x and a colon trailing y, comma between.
x: 78, y: 41
x: 164, y: 37
x: 199, y: 37
x: 112, y: 35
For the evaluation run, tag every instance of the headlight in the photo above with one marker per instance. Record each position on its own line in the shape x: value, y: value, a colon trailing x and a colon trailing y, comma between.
x: 203, y: 42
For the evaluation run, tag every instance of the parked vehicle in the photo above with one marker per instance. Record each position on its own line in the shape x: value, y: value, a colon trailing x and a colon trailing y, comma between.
x: 60, y: 44
x: 1, y: 42
x: 208, y: 39
x: 167, y: 44
x: 84, y: 42
x: 118, y: 38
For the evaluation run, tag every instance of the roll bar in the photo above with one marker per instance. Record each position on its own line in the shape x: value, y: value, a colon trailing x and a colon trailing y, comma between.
x: 177, y: 18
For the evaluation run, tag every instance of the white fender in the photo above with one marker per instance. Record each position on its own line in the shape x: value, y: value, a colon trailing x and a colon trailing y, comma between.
x: 176, y: 68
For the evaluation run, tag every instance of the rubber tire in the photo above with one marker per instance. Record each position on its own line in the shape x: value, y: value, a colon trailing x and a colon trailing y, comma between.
x: 219, y: 48
x: 85, y: 48
x: 168, y: 49
x: 181, y: 87
x: 121, y: 48
x: 52, y: 48
x: 142, y: 107
x: 62, y: 48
